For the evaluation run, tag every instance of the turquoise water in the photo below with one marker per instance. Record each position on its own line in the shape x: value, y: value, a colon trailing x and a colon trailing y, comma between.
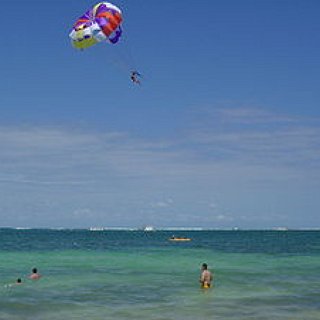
x: 138, y: 275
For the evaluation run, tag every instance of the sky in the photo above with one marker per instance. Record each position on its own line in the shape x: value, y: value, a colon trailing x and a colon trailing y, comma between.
x: 223, y: 132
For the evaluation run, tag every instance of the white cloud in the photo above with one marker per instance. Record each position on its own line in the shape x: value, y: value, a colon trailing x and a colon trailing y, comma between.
x: 213, y: 206
x: 244, y: 160
x: 254, y: 136
x: 223, y: 217
x: 162, y: 204
x: 250, y: 115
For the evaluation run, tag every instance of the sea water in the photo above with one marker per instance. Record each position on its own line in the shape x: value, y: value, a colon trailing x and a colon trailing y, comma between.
x: 142, y: 275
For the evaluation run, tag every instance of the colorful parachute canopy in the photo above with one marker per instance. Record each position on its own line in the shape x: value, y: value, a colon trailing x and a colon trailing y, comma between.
x: 101, y: 23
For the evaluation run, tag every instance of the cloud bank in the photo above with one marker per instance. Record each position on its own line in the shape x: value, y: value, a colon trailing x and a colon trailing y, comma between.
x: 231, y: 166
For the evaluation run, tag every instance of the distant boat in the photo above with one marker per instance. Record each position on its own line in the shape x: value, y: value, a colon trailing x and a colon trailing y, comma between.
x: 96, y: 229
x: 173, y: 238
x: 280, y: 229
x: 149, y: 229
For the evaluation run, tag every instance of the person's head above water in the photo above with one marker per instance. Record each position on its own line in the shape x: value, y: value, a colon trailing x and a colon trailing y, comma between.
x: 34, y: 275
x: 204, y: 266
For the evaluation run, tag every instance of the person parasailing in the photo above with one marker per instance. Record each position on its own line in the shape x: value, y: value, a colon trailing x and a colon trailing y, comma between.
x: 101, y: 23
x: 135, y: 75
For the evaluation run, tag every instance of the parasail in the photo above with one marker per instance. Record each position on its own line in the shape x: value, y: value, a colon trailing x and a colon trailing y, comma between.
x: 101, y: 23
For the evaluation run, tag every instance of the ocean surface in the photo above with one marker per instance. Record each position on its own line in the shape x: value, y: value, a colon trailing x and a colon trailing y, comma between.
x: 141, y: 275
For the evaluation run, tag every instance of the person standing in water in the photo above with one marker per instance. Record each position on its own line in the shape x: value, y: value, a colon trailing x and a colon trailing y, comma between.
x: 206, y: 277
x: 35, y: 275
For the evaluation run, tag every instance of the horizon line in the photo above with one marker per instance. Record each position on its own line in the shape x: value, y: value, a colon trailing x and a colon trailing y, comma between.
x: 154, y: 229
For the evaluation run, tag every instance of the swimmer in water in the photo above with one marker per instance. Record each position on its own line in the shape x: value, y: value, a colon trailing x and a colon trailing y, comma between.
x: 35, y: 275
x: 18, y: 282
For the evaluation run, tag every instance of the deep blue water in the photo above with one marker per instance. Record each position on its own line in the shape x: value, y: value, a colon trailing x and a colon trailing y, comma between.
x: 271, y: 242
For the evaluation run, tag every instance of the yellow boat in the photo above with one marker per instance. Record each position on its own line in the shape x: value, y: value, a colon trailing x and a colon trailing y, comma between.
x: 179, y: 239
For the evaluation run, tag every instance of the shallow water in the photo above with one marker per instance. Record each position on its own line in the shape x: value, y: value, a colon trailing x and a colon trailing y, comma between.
x: 138, y: 275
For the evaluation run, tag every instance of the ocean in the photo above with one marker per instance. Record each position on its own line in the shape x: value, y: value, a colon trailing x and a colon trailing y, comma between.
x: 112, y: 274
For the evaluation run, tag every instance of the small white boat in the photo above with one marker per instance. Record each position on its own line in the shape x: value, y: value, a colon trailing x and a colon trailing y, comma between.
x: 149, y: 229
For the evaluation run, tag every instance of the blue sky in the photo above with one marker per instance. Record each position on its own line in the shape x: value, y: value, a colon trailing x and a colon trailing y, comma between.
x: 223, y: 132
